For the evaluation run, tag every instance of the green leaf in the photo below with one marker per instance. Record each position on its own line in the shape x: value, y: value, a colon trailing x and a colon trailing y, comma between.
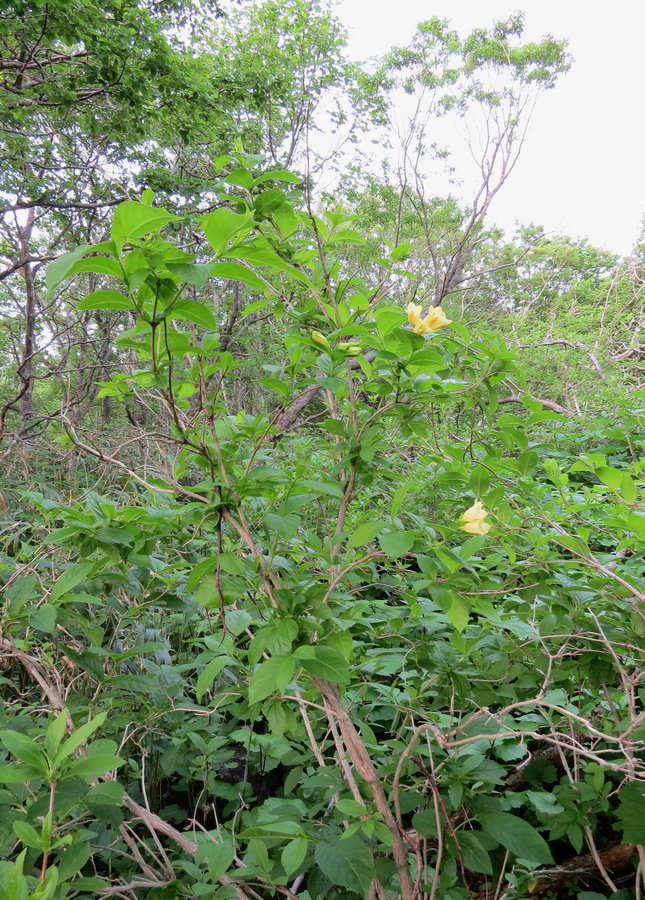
x: 518, y: 836
x: 79, y: 737
x: 133, y: 220
x: 195, y: 274
x: 270, y: 676
x: 207, y: 677
x: 55, y: 732
x: 73, y: 860
x: 323, y: 662
x: 105, y: 300
x: 233, y: 271
x: 59, y: 269
x: 347, y: 863
x: 278, y: 175
x: 194, y: 312
x: 628, y: 488
x: 28, y: 835
x: 458, y: 611
x: 351, y: 808
x: 105, y: 793
x: 268, y: 202
x: 293, y: 855
x: 220, y: 858
x: 70, y: 579
x: 397, y: 543
x: 24, y: 749
x: 17, y: 774
x: 479, y: 481
x: 286, y: 525
x: 387, y: 319
x: 475, y: 856
x: 365, y: 534
x: 222, y: 225
x: 323, y: 487
x: 631, y: 812
x: 527, y: 461
x: 103, y: 265
x: 612, y: 478
x: 94, y: 765
x: 43, y: 618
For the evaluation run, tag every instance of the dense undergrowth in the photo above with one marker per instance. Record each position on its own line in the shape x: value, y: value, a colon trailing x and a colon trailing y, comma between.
x: 271, y: 663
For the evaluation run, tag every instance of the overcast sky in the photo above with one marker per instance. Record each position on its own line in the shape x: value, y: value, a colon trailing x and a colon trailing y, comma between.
x: 582, y: 169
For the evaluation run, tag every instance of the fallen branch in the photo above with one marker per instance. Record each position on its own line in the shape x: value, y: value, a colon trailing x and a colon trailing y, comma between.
x: 616, y: 859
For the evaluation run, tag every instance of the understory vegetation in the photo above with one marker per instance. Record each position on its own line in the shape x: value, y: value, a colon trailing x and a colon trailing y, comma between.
x: 321, y: 516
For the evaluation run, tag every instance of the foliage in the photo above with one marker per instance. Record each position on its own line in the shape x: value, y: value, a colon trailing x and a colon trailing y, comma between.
x: 281, y: 652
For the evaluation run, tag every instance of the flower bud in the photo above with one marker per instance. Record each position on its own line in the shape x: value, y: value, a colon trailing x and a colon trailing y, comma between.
x: 351, y: 348
x: 320, y: 340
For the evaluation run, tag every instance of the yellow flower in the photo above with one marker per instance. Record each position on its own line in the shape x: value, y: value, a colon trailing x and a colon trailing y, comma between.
x: 473, y: 519
x: 435, y: 319
x: 414, y: 313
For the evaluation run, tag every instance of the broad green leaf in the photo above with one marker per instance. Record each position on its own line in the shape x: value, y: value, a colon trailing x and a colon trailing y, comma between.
x: 94, y: 765
x: 222, y: 225
x: 628, y: 488
x: 268, y: 202
x: 527, y: 461
x: 241, y: 178
x: 194, y: 312
x: 286, y: 220
x: 73, y: 860
x: 396, y: 543
x: 18, y: 773
x: 58, y: 269
x: 272, y: 675
x: 28, y: 835
x: 479, y: 481
x: 194, y: 274
x: 293, y: 855
x: 55, y: 732
x: 347, y: 863
x: 102, y: 265
x: 518, y: 836
x: 458, y: 611
x: 70, y: 579
x: 43, y: 618
x: 79, y: 737
x: 24, y: 749
x: 323, y: 487
x: 351, y: 808
x: 365, y: 534
x: 278, y: 175
x: 105, y: 300
x: 631, y: 812
x: 220, y: 858
x: 284, y: 525
x: 323, y: 662
x: 389, y: 318
x: 476, y: 859
x: 105, y: 793
x: 232, y: 271
x: 612, y: 478
x: 133, y: 220
x: 206, y: 678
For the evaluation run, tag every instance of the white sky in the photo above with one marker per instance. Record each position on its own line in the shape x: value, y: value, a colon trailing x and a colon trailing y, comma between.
x: 582, y: 169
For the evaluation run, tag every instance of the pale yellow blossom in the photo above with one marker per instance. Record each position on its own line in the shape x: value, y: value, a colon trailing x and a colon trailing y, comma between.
x: 435, y: 319
x: 473, y: 519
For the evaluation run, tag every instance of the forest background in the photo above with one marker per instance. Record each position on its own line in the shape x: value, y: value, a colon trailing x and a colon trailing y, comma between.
x: 321, y: 521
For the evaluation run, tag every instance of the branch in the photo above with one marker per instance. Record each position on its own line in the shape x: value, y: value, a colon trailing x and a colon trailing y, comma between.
x: 548, y: 404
